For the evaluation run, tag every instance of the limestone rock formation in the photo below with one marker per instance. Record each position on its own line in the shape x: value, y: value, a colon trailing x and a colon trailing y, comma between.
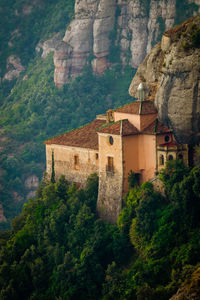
x: 88, y: 33
x: 132, y: 26
x: 171, y: 73
x: 14, y: 68
x: 31, y: 184
x: 49, y: 45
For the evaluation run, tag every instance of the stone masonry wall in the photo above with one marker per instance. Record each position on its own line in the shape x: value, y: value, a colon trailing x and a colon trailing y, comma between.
x: 110, y: 196
x: 64, y: 162
x: 110, y: 181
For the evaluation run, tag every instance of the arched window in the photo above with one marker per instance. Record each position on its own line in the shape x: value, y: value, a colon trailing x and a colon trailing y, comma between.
x: 170, y: 157
x: 162, y: 160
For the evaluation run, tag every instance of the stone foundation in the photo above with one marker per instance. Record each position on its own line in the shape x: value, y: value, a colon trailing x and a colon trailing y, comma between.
x: 110, y: 196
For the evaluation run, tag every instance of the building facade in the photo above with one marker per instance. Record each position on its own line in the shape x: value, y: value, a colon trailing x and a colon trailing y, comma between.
x: 126, y: 139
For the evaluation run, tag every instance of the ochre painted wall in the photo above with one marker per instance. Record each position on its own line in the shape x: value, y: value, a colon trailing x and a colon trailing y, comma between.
x: 130, y: 157
x: 139, y: 121
x: 64, y: 163
x: 147, y: 156
x: 106, y: 149
x: 139, y: 155
x: 133, y: 119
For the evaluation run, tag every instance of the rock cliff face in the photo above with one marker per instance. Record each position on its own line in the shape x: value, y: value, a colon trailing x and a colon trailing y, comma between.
x: 14, y: 67
x: 102, y: 26
x: 171, y: 73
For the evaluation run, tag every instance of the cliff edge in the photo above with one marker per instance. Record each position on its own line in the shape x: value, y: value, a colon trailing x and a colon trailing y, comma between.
x: 171, y: 73
x: 115, y: 30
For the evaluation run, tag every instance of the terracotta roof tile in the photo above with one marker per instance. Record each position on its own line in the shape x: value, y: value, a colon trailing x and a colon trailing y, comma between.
x: 156, y: 127
x: 115, y: 128
x: 84, y: 137
x: 170, y: 144
x: 138, y: 107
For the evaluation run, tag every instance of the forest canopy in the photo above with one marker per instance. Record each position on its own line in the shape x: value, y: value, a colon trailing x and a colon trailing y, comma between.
x: 58, y: 248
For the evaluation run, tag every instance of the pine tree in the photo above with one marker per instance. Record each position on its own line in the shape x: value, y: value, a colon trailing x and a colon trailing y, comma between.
x: 52, y: 169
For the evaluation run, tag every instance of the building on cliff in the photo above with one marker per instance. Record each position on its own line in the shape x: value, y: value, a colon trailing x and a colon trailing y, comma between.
x: 128, y: 138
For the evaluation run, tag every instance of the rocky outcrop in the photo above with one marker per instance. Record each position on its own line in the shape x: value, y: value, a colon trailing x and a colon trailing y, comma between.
x: 171, y: 73
x: 49, y: 45
x: 17, y: 197
x: 14, y: 68
x: 101, y: 26
x: 32, y: 182
x: 88, y: 33
x: 190, y: 290
x: 15, y: 34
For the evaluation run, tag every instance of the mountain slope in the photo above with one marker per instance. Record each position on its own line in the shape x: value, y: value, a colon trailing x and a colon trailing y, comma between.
x: 31, y: 107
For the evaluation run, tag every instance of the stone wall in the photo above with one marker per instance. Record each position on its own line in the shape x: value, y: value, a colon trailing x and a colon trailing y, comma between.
x: 110, y: 179
x: 110, y: 196
x: 75, y: 169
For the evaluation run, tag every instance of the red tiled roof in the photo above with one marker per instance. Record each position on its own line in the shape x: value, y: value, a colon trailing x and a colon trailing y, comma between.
x: 122, y: 127
x: 84, y: 137
x: 138, y: 107
x: 156, y: 127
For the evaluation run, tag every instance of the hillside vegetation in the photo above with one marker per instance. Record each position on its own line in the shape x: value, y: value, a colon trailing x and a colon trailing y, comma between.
x: 59, y: 249
x: 32, y: 109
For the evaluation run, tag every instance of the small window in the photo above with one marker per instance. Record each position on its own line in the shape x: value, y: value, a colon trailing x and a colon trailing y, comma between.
x: 97, y: 156
x: 167, y: 138
x: 110, y: 139
x: 110, y: 166
x: 76, y: 160
x: 170, y: 157
x: 162, y: 160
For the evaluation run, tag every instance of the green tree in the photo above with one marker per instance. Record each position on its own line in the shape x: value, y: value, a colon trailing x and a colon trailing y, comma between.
x: 52, y: 168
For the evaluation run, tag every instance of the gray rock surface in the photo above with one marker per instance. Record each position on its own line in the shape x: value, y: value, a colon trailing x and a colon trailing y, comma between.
x: 171, y: 73
x: 49, y: 45
x: 14, y: 68
x: 32, y: 182
x: 31, y: 185
x: 133, y: 26
x: 87, y: 33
